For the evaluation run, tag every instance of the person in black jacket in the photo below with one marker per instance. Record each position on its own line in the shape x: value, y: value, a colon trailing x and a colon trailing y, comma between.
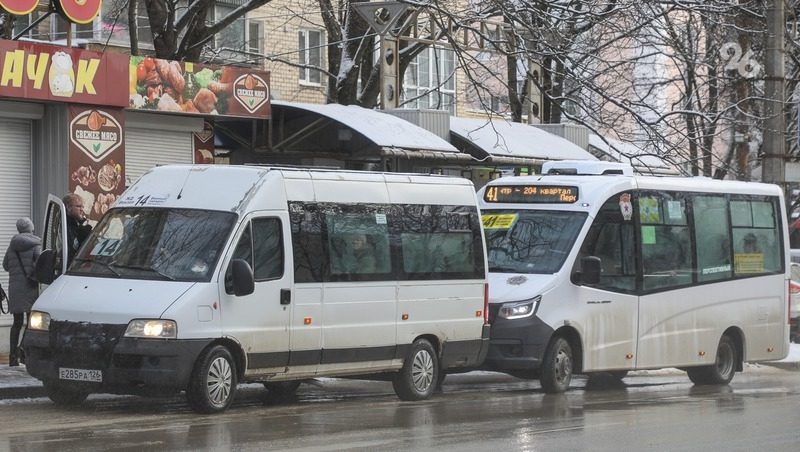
x: 19, y: 262
x: 77, y: 228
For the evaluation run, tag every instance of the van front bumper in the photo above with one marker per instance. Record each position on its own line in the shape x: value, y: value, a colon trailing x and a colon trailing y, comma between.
x: 128, y: 365
x: 517, y: 344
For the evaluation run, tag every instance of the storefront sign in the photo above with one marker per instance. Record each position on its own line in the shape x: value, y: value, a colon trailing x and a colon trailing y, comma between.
x: 96, y: 157
x: 204, y: 143
x: 43, y: 72
x: 77, y: 11
x: 19, y: 7
x: 172, y: 86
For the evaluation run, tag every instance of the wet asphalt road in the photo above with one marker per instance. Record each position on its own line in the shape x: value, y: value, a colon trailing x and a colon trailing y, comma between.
x: 759, y: 411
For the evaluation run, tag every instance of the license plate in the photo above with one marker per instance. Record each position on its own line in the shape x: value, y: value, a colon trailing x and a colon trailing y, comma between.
x: 66, y: 373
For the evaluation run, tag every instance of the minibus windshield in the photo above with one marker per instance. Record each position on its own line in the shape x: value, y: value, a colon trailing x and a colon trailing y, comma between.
x: 530, y: 241
x: 155, y: 243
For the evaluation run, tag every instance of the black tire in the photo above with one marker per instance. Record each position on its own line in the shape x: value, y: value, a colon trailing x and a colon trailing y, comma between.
x: 556, y: 371
x: 212, y: 385
x: 65, y: 394
x: 723, y: 369
x: 420, y: 373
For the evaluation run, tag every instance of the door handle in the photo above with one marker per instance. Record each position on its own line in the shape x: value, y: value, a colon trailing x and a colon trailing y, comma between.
x: 286, y: 296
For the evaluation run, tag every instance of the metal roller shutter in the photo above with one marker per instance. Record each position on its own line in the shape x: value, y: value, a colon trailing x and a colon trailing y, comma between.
x: 146, y: 148
x: 15, y: 181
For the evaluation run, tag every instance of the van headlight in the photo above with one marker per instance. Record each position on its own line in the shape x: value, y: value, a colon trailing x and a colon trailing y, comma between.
x: 152, y: 329
x: 39, y: 321
x: 519, y: 309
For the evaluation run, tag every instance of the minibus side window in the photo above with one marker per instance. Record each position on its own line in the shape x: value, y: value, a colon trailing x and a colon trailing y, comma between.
x: 611, y: 238
x: 306, y: 223
x: 756, y: 244
x: 261, y: 246
x: 267, y: 249
x: 443, y: 241
x: 666, y: 241
x: 358, y: 244
x: 713, y: 237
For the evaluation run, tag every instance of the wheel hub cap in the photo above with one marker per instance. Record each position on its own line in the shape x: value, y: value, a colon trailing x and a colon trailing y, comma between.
x: 220, y: 380
x: 422, y: 371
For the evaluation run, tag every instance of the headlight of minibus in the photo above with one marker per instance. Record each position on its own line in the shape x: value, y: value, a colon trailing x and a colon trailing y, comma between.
x: 152, y: 329
x: 519, y: 309
x: 39, y: 321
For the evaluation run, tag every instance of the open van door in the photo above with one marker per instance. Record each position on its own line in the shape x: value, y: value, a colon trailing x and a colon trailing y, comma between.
x: 53, y: 261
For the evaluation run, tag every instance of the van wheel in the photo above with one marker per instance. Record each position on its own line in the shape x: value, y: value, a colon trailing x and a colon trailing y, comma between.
x: 64, y: 394
x: 420, y: 373
x: 723, y: 369
x: 556, y: 372
x: 212, y: 385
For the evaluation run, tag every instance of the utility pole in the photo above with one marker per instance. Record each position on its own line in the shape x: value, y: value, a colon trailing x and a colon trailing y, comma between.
x: 385, y: 19
x: 774, y: 164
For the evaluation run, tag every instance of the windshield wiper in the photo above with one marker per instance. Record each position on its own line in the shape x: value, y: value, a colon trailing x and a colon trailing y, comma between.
x: 107, y: 266
x: 142, y: 267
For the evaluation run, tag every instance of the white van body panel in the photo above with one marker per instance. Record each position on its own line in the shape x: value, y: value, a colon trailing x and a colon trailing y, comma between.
x: 72, y: 297
x: 505, y: 287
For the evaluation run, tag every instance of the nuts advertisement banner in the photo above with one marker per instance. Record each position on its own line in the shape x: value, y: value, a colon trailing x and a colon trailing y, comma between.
x: 60, y: 74
x: 96, y: 157
x: 181, y: 87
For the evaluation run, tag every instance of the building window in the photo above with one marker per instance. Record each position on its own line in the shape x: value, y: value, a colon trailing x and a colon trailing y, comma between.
x: 430, y: 81
x: 232, y: 36
x: 309, y: 45
x: 255, y: 37
x: 59, y: 26
x: 114, y: 22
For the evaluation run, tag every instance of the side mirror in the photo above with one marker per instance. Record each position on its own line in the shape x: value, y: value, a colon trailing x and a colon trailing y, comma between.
x: 590, y: 270
x: 243, y: 280
x: 46, y: 267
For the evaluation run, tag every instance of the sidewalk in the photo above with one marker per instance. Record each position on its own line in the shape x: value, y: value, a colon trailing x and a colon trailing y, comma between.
x: 15, y: 383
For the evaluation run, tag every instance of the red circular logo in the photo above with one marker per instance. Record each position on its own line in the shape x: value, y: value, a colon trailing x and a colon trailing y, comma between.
x: 77, y: 11
x: 19, y: 7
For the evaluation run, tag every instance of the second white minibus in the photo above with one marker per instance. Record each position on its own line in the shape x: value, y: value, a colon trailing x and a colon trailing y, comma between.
x: 593, y: 269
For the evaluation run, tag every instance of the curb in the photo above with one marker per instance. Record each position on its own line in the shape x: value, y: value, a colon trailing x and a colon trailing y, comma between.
x: 793, y: 365
x: 22, y: 392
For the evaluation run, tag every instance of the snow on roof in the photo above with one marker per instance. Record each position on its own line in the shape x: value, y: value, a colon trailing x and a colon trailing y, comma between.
x: 513, y: 139
x: 616, y: 149
x: 383, y: 129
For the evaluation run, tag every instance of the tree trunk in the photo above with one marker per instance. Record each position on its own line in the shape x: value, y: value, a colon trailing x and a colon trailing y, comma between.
x: 133, y: 26
x: 6, y: 25
x: 162, y: 20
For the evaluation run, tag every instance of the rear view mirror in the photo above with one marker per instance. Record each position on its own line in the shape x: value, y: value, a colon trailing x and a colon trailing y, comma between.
x: 590, y: 270
x: 242, y: 275
x: 46, y: 267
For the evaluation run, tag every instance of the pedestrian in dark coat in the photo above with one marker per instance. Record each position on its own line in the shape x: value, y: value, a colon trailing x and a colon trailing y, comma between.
x: 19, y: 262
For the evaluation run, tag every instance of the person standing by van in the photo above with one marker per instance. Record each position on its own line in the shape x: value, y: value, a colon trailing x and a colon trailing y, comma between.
x: 77, y: 228
x: 23, y: 289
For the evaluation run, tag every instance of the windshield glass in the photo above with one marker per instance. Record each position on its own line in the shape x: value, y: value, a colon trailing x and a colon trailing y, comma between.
x: 152, y: 243
x: 530, y: 241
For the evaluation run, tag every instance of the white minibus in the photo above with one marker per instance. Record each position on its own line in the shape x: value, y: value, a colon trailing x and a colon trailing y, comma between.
x: 595, y: 270
x: 201, y: 277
